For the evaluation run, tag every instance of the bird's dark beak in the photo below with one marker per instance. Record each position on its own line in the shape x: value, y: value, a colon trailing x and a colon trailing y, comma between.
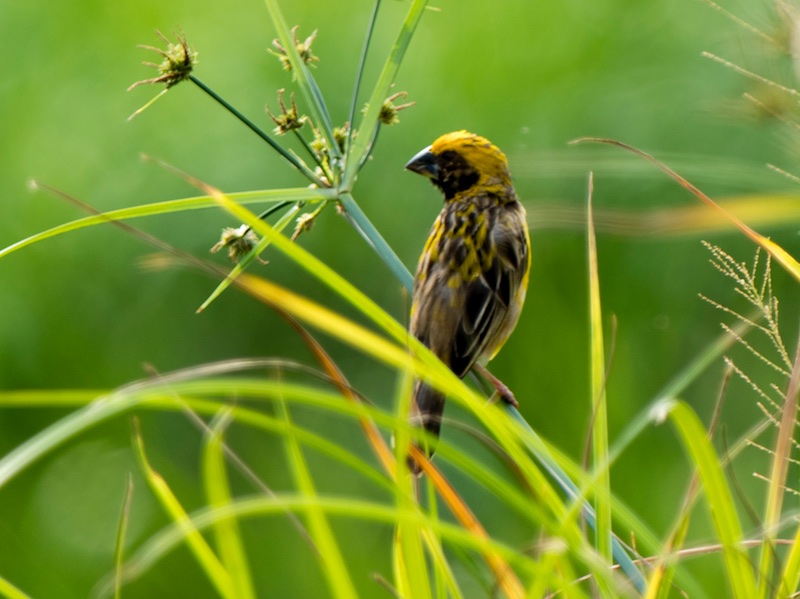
x: 424, y: 163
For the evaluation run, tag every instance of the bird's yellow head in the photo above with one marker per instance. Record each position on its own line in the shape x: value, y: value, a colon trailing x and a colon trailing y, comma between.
x: 460, y: 161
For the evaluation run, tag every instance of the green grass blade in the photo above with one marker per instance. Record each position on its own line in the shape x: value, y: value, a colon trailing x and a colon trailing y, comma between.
x: 599, y: 410
x: 67, y: 428
x: 333, y: 563
x: 791, y: 573
x: 305, y: 80
x: 370, y: 123
x: 718, y: 496
x: 188, y: 532
x: 227, y: 533
x: 364, y: 226
x: 172, y: 206
x: 9, y: 591
x: 172, y: 536
x: 545, y: 456
x: 119, y: 543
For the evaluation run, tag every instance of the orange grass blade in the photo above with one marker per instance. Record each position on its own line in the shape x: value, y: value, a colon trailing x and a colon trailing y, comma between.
x: 777, y: 252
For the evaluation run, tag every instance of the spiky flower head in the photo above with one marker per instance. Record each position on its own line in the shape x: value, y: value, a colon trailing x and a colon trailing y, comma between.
x: 178, y: 61
x: 239, y: 241
x: 288, y: 119
x: 389, y: 110
x: 303, y: 49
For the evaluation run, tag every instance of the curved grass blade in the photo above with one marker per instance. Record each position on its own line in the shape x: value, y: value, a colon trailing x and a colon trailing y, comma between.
x: 170, y: 537
x: 362, y: 146
x: 718, y: 496
x: 205, y: 556
x: 333, y: 564
x: 172, y: 206
x: 782, y: 256
x: 218, y: 494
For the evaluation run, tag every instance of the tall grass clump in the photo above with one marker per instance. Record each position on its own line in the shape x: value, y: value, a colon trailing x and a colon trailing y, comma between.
x: 581, y: 540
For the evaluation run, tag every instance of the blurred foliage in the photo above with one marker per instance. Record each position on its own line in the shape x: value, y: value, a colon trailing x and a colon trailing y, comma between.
x: 78, y: 311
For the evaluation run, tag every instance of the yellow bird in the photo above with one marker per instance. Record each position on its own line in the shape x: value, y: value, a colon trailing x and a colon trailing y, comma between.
x: 473, y: 273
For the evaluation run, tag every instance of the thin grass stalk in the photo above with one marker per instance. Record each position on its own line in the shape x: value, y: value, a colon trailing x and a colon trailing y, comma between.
x: 599, y: 410
x: 790, y: 578
x: 362, y: 62
x: 777, y: 483
x: 370, y: 123
x: 119, y: 541
x: 285, y: 154
x: 777, y: 252
x: 538, y: 448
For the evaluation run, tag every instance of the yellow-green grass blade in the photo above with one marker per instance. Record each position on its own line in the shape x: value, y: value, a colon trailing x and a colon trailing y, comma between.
x: 173, y: 206
x: 790, y: 578
x: 333, y: 563
x: 370, y: 123
x: 598, y: 408
x: 9, y: 591
x: 413, y: 579
x: 187, y: 531
x: 777, y: 481
x: 718, y: 497
x: 348, y: 508
x: 254, y: 253
x: 218, y: 494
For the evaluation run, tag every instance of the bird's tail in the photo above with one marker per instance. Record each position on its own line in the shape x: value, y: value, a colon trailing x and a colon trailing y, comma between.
x: 427, y: 407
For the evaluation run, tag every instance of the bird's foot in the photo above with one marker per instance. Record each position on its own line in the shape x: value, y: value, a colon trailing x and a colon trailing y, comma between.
x: 499, y: 386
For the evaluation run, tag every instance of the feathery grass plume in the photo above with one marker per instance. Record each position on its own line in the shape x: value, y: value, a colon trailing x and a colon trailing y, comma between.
x: 755, y: 285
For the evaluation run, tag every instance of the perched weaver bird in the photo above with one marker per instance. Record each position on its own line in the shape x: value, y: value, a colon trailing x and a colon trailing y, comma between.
x: 473, y: 273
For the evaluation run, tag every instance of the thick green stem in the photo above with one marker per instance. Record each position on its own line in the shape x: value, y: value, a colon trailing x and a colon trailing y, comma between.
x: 364, y: 226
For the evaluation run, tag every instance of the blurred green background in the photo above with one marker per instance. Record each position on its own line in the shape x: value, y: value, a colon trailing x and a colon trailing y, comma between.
x: 79, y: 312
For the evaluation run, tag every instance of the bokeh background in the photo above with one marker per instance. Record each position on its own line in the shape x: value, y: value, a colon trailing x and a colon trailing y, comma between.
x: 79, y: 311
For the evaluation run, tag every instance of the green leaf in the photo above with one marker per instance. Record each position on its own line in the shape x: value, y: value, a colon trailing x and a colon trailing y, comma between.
x: 218, y: 493
x: 718, y: 496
